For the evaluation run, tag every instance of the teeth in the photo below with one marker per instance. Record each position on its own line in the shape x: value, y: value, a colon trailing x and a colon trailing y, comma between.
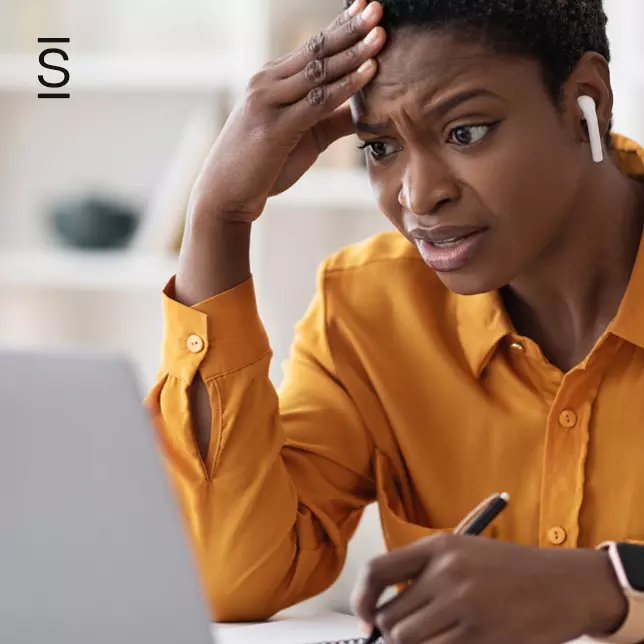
x: 448, y: 243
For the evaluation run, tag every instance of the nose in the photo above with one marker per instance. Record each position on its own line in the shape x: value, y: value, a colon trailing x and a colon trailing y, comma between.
x: 428, y: 186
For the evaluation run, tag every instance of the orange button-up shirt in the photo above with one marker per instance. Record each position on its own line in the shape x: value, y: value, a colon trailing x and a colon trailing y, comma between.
x: 401, y: 392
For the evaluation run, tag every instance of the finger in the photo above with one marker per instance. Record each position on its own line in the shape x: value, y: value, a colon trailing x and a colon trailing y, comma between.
x: 324, y: 100
x: 342, y: 34
x: 457, y: 634
x: 433, y: 620
x: 393, y: 568
x: 334, y: 127
x: 414, y: 597
x: 351, y: 9
x: 328, y: 70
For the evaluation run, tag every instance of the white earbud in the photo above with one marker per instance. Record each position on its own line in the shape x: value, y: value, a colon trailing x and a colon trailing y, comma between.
x: 589, y: 110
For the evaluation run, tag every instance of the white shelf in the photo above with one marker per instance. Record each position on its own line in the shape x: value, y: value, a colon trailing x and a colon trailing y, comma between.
x: 86, y: 271
x: 19, y: 73
x: 329, y: 188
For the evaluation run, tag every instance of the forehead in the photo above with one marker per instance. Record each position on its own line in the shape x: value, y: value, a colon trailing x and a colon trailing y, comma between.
x: 420, y: 64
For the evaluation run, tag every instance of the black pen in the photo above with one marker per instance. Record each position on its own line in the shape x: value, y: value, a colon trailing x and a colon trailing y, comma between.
x: 473, y: 524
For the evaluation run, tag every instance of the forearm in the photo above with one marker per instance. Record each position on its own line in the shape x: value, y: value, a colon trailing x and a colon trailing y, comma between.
x: 214, y: 259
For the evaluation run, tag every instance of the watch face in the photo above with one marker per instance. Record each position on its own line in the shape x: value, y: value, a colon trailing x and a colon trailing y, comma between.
x: 632, y: 557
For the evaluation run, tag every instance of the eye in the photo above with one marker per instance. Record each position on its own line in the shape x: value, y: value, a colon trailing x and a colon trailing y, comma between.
x: 469, y: 134
x: 379, y: 149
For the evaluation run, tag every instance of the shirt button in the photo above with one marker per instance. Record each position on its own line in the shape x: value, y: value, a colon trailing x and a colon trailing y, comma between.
x: 517, y: 346
x: 557, y: 535
x: 195, y: 344
x: 568, y: 418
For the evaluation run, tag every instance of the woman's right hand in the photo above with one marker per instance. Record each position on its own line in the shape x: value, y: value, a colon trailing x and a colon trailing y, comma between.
x: 293, y: 110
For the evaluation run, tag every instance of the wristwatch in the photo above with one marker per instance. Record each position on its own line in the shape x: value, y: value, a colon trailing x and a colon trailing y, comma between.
x: 627, y: 560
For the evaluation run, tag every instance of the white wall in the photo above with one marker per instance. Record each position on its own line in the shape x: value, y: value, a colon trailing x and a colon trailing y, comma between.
x: 626, y: 20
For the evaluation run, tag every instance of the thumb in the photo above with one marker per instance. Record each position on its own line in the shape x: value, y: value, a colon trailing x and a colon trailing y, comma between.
x: 396, y: 567
x: 336, y: 126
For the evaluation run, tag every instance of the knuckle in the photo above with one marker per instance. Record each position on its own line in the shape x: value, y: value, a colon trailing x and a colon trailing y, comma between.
x: 315, y: 71
x: 315, y: 45
x: 466, y: 599
x: 353, y: 53
x: 255, y: 98
x: 351, y: 27
x: 339, y: 21
x: 318, y: 97
x: 348, y: 83
x: 400, y: 635
x: 454, y: 565
x: 257, y: 80
x: 440, y: 542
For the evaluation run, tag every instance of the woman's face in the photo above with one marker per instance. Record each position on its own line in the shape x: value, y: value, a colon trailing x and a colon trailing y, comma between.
x: 468, y: 157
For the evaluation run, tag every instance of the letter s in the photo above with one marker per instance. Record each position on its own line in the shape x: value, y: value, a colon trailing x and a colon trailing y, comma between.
x: 44, y: 63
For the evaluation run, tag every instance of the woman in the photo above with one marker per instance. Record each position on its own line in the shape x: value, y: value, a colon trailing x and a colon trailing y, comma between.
x: 495, y: 343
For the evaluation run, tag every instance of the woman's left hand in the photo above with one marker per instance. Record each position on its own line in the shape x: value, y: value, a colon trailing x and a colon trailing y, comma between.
x: 473, y: 590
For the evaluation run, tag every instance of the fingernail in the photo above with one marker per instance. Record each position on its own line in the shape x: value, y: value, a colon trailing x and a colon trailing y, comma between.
x: 372, y: 36
x: 364, y: 627
x: 354, y: 9
x: 365, y: 67
x: 370, y: 12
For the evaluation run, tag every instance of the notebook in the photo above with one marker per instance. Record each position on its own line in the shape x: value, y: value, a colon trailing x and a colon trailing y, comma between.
x: 327, y: 628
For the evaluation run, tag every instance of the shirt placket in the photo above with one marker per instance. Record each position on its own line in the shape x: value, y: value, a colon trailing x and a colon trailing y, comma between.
x: 566, y: 450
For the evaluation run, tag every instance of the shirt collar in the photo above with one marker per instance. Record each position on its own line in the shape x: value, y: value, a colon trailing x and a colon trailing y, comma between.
x: 629, y: 321
x: 482, y: 321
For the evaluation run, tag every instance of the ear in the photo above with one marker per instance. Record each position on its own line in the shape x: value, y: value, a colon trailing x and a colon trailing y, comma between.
x: 591, y: 77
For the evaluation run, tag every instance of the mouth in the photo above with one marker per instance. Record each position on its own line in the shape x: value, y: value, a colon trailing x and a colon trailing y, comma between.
x: 448, y: 249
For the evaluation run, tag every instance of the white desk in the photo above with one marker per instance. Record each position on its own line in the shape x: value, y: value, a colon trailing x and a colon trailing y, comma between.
x: 291, y: 628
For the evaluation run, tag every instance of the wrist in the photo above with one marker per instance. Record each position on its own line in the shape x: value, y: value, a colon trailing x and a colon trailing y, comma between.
x: 215, y: 257
x: 608, y: 607
x: 212, y: 206
x: 214, y: 223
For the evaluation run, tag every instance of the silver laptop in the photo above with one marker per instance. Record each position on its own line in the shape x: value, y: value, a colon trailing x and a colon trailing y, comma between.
x: 92, y: 550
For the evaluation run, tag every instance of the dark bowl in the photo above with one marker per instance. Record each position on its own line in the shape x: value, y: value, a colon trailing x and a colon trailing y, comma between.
x: 94, y: 224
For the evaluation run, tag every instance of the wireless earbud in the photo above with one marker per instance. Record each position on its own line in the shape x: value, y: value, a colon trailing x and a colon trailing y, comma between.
x: 589, y: 110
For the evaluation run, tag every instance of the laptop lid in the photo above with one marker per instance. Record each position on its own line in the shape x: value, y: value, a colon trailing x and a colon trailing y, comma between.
x: 92, y: 550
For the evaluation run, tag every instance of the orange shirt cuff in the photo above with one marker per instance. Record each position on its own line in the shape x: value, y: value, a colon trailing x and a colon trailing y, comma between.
x: 216, y: 336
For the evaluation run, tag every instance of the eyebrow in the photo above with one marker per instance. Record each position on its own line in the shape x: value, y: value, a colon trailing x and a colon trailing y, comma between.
x: 440, y: 110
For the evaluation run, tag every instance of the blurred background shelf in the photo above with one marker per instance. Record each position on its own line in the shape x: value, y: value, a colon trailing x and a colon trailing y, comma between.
x: 86, y: 271
x: 19, y: 73
x: 329, y: 188
x: 151, y: 86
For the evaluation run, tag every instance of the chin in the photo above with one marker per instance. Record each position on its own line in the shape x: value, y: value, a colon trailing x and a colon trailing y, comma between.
x: 470, y: 281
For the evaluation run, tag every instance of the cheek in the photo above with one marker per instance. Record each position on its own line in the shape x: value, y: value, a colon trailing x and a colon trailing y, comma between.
x: 385, y: 190
x: 528, y: 183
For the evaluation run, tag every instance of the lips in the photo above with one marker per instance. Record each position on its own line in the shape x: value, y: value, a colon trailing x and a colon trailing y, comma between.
x: 445, y: 234
x: 448, y: 248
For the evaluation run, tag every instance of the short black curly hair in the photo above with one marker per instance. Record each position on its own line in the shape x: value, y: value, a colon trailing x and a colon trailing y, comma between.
x: 556, y: 33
